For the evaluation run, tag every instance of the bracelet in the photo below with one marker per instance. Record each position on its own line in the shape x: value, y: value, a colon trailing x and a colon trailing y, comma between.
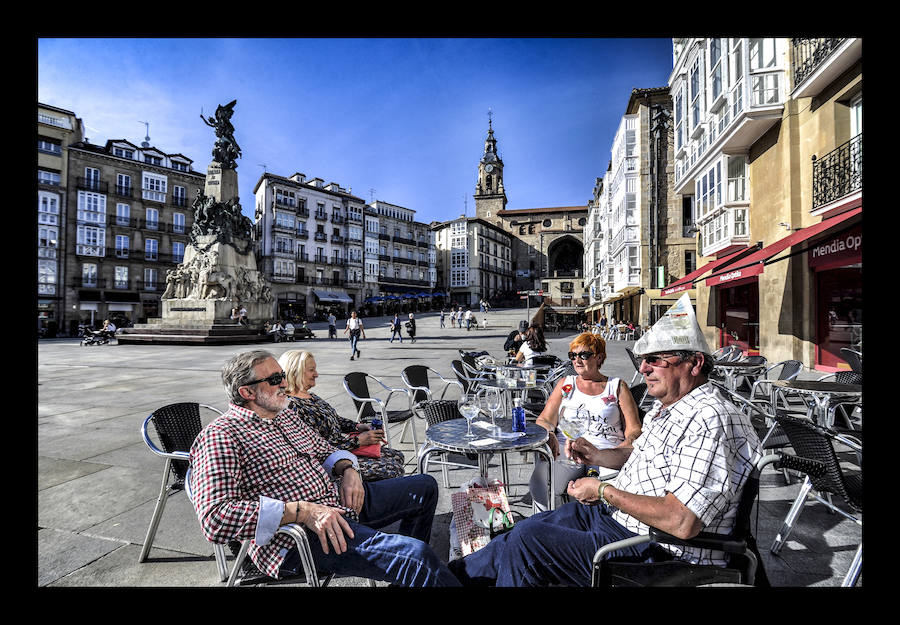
x: 600, y: 490
x: 297, y: 513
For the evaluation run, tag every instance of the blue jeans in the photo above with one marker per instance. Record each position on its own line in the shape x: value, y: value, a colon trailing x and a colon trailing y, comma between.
x: 353, y: 340
x: 553, y: 547
x: 404, y: 559
x: 398, y: 335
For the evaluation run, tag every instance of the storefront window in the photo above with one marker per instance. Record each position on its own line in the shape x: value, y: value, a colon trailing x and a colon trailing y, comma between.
x: 740, y: 316
x: 839, y: 314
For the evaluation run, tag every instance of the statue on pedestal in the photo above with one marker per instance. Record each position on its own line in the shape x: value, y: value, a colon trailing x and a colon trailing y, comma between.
x: 226, y: 149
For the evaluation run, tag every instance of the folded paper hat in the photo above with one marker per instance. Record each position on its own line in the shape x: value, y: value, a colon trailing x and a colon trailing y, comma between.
x: 675, y: 331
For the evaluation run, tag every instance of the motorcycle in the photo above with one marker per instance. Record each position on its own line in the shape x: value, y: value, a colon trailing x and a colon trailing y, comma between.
x: 94, y: 337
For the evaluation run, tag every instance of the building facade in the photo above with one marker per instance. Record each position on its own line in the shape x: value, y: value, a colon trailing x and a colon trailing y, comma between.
x: 640, y: 235
x: 769, y: 144
x: 128, y: 222
x: 56, y: 128
x: 326, y: 250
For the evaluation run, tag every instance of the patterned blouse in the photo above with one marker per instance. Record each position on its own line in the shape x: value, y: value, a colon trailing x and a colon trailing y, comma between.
x: 335, y: 429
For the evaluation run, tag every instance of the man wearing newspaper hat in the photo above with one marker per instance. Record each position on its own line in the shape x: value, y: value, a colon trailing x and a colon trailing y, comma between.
x: 684, y: 474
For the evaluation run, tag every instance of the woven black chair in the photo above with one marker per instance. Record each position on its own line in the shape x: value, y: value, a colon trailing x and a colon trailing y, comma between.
x: 639, y: 393
x: 176, y: 426
x: 853, y: 358
x: 843, y: 377
x: 356, y: 384
x: 813, y: 445
x: 468, y: 379
x: 744, y: 564
x: 437, y: 411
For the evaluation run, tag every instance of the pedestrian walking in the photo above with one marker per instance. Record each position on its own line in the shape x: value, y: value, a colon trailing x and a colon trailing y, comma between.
x: 396, y: 328
x: 356, y: 330
x: 468, y: 319
x: 332, y: 326
x: 411, y: 328
x: 459, y: 317
x: 443, y: 313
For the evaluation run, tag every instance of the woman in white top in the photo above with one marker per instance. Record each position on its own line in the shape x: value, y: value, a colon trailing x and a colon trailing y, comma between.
x: 614, y: 418
x: 533, y: 345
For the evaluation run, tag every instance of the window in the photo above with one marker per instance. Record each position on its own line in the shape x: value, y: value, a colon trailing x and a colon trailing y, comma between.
x: 695, y: 93
x: 740, y: 222
x: 46, y: 277
x: 122, y: 246
x: 123, y: 153
x: 284, y: 220
x: 762, y: 54
x: 151, y: 249
x: 121, y: 277
x: 89, y: 274
x: 150, y: 279
x: 123, y: 184
x: 48, y: 237
x: 92, y: 178
x: 91, y: 207
x: 152, y: 160
x: 48, y: 208
x: 690, y: 261
x: 177, y: 251
x: 737, y: 179
x: 715, y: 64
x: 90, y: 240
x: 179, y: 196
x: 48, y: 177
x: 178, y: 223
x: 180, y: 166
x: 50, y: 146
x: 153, y: 186
x: 123, y: 214
x: 152, y: 219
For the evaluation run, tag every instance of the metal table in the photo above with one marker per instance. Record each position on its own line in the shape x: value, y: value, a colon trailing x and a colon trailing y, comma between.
x: 734, y: 370
x: 450, y: 436
x: 818, y: 396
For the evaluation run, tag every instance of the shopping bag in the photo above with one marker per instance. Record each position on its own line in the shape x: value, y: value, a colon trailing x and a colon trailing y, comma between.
x: 478, y: 494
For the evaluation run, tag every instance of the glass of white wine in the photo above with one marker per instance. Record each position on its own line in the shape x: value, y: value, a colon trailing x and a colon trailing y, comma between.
x: 468, y: 407
x: 573, y: 423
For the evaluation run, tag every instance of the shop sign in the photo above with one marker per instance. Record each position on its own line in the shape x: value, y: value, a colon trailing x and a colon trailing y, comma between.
x: 845, y: 247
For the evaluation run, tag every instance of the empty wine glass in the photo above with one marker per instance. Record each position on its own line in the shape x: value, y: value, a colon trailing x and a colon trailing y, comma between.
x: 493, y: 401
x: 573, y: 422
x: 468, y: 406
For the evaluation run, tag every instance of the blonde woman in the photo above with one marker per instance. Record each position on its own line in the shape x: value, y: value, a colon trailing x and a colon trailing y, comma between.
x: 300, y: 370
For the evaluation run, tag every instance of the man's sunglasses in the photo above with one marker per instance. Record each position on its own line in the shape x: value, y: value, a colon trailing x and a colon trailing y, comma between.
x: 659, y: 360
x: 274, y: 380
x: 582, y: 355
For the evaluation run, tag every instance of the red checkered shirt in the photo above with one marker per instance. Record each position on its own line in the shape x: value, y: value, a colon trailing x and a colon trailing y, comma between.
x: 239, y: 458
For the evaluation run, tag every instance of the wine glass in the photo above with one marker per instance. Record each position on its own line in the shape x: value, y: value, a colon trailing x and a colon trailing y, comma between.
x: 573, y: 422
x: 468, y: 406
x: 493, y: 401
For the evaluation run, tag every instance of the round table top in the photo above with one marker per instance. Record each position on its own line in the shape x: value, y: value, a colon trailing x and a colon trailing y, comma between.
x: 523, y: 366
x: 814, y: 386
x: 451, y: 434
x: 740, y: 365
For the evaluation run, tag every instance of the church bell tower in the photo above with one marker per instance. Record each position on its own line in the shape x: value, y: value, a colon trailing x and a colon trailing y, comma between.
x: 490, y: 196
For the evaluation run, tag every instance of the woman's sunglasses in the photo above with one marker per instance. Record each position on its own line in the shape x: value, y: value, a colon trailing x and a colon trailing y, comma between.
x: 274, y: 380
x: 582, y: 355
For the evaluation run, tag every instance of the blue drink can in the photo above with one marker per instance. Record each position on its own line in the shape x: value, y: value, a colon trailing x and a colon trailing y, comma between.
x: 518, y: 417
x: 376, y: 423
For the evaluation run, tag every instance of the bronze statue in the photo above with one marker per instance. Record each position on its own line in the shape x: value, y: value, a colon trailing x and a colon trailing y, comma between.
x: 226, y: 149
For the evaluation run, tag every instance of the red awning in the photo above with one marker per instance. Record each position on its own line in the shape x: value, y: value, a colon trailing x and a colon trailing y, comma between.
x: 687, y: 282
x: 755, y: 263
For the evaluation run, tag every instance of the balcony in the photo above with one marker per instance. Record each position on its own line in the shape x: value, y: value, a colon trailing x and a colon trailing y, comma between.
x: 153, y: 195
x: 176, y: 228
x: 125, y: 222
x: 816, y: 62
x: 384, y: 236
x: 284, y: 227
x: 90, y: 250
x: 302, y: 234
x: 336, y: 238
x: 124, y: 190
x: 281, y: 202
x: 179, y: 201
x: 149, y: 285
x: 320, y: 260
x: 321, y: 216
x: 282, y: 276
x: 838, y: 174
x: 321, y: 236
x: 337, y: 219
x: 355, y: 218
x: 283, y: 251
x: 404, y: 240
x: 91, y: 184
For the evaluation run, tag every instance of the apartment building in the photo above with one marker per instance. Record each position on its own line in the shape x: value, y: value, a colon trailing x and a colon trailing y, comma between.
x: 640, y: 234
x: 128, y: 222
x: 56, y: 129
x: 404, y: 256
x: 474, y: 257
x: 768, y: 141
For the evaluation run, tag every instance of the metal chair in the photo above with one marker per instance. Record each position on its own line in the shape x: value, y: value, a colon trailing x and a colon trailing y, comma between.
x: 437, y: 411
x: 853, y: 358
x: 468, y: 378
x: 814, y: 449
x: 789, y: 369
x: 416, y: 379
x: 245, y: 573
x: 842, y: 377
x: 357, y: 386
x: 176, y: 425
x: 744, y: 565
x: 639, y: 393
x: 637, y: 366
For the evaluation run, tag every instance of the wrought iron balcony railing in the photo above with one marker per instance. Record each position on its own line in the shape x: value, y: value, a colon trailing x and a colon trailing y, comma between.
x: 808, y: 53
x: 838, y: 173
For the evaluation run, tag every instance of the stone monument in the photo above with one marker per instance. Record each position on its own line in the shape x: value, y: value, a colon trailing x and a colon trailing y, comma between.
x: 218, y: 272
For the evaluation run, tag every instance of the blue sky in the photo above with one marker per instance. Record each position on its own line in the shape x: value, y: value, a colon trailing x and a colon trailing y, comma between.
x: 406, y: 118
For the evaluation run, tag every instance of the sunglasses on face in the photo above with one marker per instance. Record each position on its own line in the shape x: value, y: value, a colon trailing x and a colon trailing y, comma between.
x: 583, y: 355
x: 274, y: 380
x: 659, y: 360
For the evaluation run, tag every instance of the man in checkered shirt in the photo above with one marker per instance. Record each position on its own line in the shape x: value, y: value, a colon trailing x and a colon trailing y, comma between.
x: 260, y: 466
x: 684, y: 474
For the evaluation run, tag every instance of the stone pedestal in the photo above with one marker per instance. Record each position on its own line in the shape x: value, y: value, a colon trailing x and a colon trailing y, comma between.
x: 221, y: 184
